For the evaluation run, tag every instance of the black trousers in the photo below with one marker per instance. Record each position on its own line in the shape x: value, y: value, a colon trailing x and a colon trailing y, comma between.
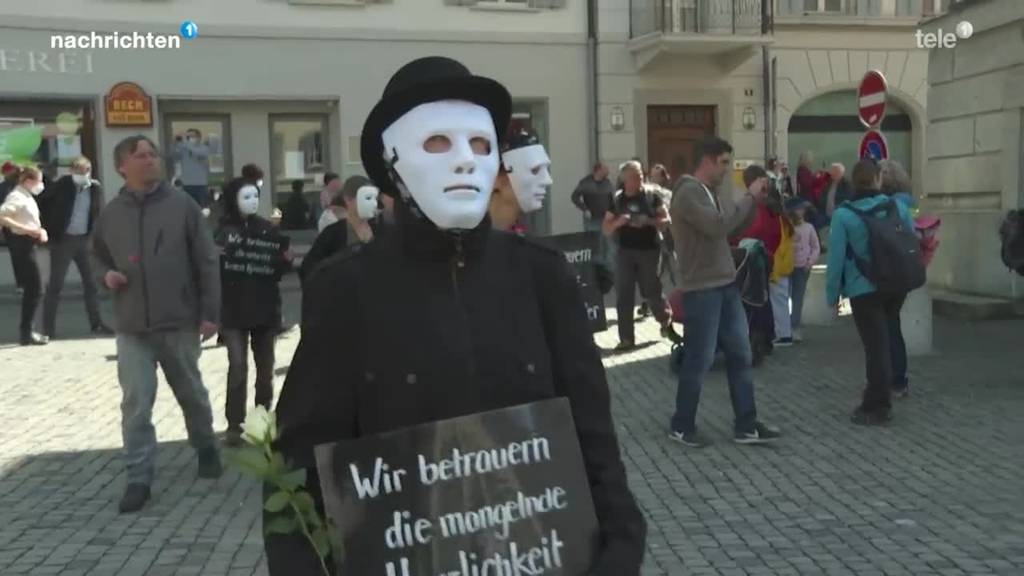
x: 23, y: 258
x: 635, y: 267
x: 237, y: 343
x: 877, y: 317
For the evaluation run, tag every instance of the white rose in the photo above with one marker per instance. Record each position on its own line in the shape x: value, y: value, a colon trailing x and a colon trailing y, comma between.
x: 260, y: 427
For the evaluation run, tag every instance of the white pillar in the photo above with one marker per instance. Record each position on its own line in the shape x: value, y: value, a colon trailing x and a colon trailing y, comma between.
x: 916, y: 321
x: 817, y: 312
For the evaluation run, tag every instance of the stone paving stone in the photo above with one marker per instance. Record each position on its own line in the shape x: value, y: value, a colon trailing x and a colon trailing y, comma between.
x: 937, y: 492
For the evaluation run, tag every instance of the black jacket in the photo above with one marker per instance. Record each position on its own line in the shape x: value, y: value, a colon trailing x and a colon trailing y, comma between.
x: 250, y: 301
x: 484, y: 322
x: 57, y: 201
x: 330, y: 241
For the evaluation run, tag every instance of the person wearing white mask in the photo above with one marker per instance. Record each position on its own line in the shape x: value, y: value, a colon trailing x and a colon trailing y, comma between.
x: 442, y: 316
x: 251, y: 269
x: 523, y: 181
x: 19, y: 214
x: 69, y: 209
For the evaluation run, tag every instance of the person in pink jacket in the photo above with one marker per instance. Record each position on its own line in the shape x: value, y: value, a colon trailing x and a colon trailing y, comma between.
x: 806, y: 251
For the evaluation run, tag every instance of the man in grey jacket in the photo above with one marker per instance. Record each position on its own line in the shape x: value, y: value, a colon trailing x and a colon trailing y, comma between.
x: 702, y: 223
x: 152, y: 249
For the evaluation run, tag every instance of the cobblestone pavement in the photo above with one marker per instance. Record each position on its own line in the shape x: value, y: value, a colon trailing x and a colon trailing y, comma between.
x: 939, y: 492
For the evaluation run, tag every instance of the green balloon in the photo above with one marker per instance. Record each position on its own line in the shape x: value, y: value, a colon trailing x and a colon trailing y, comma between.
x: 20, y: 144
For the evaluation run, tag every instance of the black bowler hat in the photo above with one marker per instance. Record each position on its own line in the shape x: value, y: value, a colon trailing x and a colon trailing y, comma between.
x: 421, y: 81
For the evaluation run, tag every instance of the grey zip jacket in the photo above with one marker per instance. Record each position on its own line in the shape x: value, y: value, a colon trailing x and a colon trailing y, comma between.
x: 162, y: 244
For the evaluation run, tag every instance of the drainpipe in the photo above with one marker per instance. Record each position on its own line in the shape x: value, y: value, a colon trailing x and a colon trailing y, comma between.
x: 592, y: 98
x: 767, y: 27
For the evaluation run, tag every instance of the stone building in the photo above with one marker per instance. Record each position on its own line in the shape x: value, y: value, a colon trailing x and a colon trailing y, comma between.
x: 975, y: 138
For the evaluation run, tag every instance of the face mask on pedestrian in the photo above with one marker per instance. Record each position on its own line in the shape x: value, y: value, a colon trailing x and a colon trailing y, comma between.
x: 35, y: 189
x: 529, y: 173
x: 259, y: 183
x: 248, y: 200
x: 366, y: 202
x: 446, y: 160
x: 82, y: 179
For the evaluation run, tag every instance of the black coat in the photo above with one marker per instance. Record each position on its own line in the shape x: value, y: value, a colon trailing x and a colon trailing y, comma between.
x: 417, y: 327
x: 58, y: 200
x: 250, y: 302
x: 330, y: 241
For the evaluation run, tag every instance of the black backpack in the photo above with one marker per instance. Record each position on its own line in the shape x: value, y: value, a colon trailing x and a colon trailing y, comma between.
x: 895, y: 267
x: 1011, y: 233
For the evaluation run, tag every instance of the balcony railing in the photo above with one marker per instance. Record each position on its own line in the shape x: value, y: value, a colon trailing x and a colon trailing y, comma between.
x: 695, y: 16
x: 862, y: 8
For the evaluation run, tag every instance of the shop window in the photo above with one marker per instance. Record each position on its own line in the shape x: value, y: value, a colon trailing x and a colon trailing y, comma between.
x: 298, y: 152
x: 205, y: 162
x: 48, y: 133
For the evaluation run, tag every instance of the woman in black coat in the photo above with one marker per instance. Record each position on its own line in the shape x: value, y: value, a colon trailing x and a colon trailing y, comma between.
x: 254, y: 258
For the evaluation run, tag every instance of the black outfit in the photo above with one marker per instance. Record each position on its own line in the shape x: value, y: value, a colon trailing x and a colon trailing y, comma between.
x: 329, y: 241
x: 296, y: 213
x: 55, y: 207
x: 23, y: 259
x: 878, y: 324
x: 594, y: 196
x: 423, y: 325
x: 250, y: 310
x: 638, y: 261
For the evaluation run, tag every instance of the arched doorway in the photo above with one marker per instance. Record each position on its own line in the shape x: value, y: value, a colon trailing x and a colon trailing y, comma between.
x: 828, y: 126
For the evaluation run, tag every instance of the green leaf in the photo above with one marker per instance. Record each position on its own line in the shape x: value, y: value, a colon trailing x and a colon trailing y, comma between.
x: 322, y: 542
x: 337, y: 544
x: 280, y: 525
x: 304, y: 502
x: 277, y: 466
x: 293, y: 480
x: 250, y: 460
x: 277, y: 502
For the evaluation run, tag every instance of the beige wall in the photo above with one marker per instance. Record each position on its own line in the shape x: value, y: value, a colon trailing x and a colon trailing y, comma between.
x: 817, y: 60
x: 975, y: 105
x: 270, y: 67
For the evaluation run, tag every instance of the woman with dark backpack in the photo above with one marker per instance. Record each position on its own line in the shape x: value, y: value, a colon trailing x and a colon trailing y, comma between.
x: 255, y: 257
x: 860, y: 269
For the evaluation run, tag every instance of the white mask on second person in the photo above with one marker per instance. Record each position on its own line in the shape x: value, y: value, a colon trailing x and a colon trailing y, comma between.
x: 259, y: 183
x: 451, y: 187
x: 366, y: 202
x: 36, y: 189
x: 529, y: 173
x: 248, y: 200
x: 82, y: 179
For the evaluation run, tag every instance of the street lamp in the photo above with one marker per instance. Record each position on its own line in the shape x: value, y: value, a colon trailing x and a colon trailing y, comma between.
x: 749, y: 118
x: 618, y: 118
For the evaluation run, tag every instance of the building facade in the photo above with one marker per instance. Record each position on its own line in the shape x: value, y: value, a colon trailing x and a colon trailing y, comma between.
x: 679, y: 69
x: 975, y: 170
x: 286, y: 85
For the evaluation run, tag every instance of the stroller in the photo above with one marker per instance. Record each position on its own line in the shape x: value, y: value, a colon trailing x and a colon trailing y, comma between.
x: 753, y: 270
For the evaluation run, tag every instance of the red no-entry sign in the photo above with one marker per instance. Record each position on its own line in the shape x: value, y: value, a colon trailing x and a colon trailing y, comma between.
x: 871, y: 99
x: 873, y: 145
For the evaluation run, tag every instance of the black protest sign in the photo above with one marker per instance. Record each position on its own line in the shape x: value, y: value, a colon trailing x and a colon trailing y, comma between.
x: 501, y: 493
x: 581, y: 250
x: 253, y: 255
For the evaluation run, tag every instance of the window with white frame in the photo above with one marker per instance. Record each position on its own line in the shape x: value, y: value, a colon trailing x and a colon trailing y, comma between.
x: 509, y: 4
x: 336, y: 2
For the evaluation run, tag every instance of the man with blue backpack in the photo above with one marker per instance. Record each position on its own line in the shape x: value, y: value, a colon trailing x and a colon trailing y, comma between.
x: 874, y: 259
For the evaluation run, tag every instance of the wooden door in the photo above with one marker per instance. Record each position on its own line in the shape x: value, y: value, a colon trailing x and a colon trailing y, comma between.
x: 673, y: 133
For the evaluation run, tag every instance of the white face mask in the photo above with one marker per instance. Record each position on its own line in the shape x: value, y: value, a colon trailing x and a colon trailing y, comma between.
x: 366, y: 202
x: 36, y: 189
x: 81, y: 179
x: 529, y: 173
x: 259, y: 183
x: 248, y: 200
x: 451, y: 187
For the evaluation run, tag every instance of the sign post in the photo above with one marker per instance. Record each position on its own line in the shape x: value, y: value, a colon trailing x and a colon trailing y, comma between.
x: 871, y: 97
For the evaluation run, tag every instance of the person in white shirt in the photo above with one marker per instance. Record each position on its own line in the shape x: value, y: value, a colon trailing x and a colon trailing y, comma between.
x: 19, y: 214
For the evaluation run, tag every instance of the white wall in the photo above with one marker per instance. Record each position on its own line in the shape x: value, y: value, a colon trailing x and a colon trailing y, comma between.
x: 243, y: 16
x: 352, y: 72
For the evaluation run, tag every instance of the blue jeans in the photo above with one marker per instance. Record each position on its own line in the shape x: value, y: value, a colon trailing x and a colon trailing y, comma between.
x: 607, y: 248
x: 797, y: 289
x: 177, y: 353
x: 715, y: 317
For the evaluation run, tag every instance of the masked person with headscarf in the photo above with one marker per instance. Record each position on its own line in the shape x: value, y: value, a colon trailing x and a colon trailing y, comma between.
x: 443, y: 317
x: 250, y: 299
x: 523, y: 180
